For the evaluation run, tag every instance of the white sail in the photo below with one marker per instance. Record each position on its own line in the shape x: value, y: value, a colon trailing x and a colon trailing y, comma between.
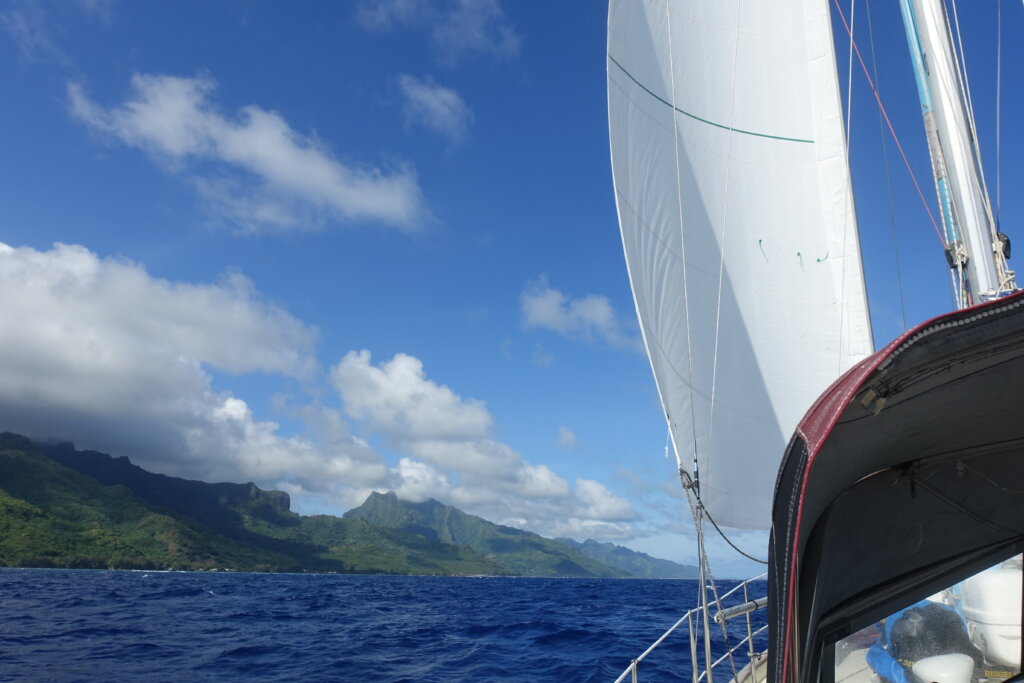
x: 738, y: 227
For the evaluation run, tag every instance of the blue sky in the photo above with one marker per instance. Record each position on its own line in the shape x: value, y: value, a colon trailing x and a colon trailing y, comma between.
x: 342, y: 247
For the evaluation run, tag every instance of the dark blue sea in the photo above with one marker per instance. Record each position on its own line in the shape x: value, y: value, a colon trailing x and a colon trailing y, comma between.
x: 81, y: 625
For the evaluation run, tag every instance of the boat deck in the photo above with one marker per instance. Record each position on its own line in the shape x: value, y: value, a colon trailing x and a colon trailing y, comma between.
x: 854, y: 668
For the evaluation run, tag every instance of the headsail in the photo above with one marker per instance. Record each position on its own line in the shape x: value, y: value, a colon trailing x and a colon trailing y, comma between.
x: 738, y: 226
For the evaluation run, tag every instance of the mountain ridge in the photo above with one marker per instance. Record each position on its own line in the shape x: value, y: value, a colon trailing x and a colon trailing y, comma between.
x: 448, y: 524
x: 637, y: 564
x: 60, y: 506
x: 513, y: 548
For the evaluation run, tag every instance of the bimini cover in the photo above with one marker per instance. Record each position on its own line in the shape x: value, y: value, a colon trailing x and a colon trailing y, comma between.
x: 906, y: 476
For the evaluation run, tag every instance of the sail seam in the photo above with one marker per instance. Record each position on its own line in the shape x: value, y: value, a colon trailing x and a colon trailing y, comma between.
x: 698, y: 118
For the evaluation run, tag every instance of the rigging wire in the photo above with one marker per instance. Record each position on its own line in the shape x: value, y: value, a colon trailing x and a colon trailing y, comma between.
x: 888, y: 122
x: 848, y: 211
x: 849, y: 81
x: 888, y: 177
x: 707, y: 578
x: 689, y: 486
x: 731, y: 544
x: 689, y: 346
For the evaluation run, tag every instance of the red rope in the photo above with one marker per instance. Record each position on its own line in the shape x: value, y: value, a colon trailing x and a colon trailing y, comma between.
x: 892, y: 131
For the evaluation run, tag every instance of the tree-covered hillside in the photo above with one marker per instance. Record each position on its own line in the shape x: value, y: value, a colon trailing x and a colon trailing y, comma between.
x: 87, y: 509
x: 61, y: 507
x: 521, y: 552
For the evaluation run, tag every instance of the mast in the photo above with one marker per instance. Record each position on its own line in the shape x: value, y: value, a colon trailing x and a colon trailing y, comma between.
x: 975, y: 250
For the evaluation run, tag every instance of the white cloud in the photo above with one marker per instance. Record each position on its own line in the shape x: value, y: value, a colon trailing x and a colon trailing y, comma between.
x: 268, y: 176
x: 475, y: 26
x: 36, y: 26
x: 458, y: 28
x: 601, y: 504
x: 542, y: 356
x: 103, y: 9
x: 418, y: 481
x: 434, y: 107
x: 582, y: 529
x: 591, y: 511
x: 383, y: 15
x: 100, y: 352
x: 28, y: 25
x: 453, y: 457
x: 567, y: 438
x: 587, y: 317
x: 397, y: 398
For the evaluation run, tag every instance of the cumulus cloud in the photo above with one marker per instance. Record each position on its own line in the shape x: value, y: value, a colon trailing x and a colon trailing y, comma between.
x: 453, y: 457
x: 600, y: 504
x: 567, y: 438
x: 591, y: 511
x: 434, y: 107
x: 100, y: 352
x: 397, y: 398
x: 433, y: 423
x: 457, y: 28
x: 267, y: 176
x: 588, y: 317
x: 418, y: 481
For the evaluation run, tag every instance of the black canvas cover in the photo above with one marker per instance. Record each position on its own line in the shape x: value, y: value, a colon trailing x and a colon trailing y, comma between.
x: 906, y: 476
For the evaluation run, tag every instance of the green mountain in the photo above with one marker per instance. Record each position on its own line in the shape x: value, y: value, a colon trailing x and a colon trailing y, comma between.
x: 67, y: 508
x: 61, y: 507
x: 640, y: 565
x: 51, y: 515
x: 520, y: 552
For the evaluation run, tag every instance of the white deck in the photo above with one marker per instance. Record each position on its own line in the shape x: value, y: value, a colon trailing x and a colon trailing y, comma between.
x: 854, y: 668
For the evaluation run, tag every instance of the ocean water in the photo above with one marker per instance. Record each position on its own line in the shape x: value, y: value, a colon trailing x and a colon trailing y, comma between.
x: 75, y: 625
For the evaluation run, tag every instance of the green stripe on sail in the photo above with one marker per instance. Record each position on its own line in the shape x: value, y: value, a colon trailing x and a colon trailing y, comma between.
x: 697, y: 118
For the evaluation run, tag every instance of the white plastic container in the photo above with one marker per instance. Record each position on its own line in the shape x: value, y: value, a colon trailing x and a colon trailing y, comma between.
x: 952, y: 668
x: 992, y: 607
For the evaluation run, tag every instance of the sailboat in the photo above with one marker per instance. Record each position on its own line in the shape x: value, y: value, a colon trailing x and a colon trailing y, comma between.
x: 885, y: 477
